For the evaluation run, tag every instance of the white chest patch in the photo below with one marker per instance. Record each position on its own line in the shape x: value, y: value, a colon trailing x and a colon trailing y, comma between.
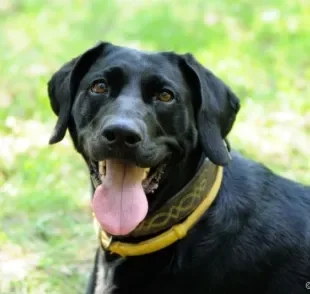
x: 104, y: 278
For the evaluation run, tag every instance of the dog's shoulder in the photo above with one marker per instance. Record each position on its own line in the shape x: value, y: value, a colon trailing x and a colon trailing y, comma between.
x: 266, y: 195
x: 265, y: 208
x: 255, y: 177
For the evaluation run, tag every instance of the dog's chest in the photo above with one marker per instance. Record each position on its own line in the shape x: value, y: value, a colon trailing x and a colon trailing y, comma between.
x: 116, y: 277
x: 104, y: 277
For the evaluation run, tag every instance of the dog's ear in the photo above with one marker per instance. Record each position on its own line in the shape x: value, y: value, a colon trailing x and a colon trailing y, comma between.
x: 63, y: 85
x: 216, y: 107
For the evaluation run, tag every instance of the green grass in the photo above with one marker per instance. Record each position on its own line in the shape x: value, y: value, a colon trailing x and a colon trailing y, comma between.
x: 260, y: 49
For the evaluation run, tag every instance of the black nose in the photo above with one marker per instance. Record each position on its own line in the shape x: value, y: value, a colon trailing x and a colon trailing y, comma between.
x: 119, y: 134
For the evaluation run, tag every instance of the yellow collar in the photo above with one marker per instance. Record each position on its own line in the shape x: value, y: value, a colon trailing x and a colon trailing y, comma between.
x: 176, y: 232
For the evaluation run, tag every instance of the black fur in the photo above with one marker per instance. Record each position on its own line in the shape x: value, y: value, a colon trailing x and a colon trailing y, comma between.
x: 255, y: 238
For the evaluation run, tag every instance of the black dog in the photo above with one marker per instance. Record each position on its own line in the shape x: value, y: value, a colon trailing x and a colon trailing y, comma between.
x: 146, y: 121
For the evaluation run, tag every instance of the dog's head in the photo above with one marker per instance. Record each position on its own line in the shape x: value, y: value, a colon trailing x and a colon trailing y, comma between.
x: 132, y: 113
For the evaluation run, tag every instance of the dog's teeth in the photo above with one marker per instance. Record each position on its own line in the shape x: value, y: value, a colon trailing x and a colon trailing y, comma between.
x: 146, y: 172
x: 102, y: 169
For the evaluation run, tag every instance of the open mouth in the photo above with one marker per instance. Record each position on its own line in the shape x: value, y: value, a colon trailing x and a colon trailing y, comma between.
x: 150, y: 180
x: 120, y: 199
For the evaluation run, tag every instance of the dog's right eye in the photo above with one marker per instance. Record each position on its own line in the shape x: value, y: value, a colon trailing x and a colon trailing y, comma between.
x: 99, y: 87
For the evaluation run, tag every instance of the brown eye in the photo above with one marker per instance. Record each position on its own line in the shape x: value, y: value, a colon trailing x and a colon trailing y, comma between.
x: 99, y: 87
x: 165, y: 96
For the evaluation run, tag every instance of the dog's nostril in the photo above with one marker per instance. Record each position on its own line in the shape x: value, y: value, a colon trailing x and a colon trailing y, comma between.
x: 132, y: 139
x: 109, y: 135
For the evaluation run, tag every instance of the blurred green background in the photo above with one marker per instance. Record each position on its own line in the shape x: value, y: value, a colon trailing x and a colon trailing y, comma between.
x: 260, y: 48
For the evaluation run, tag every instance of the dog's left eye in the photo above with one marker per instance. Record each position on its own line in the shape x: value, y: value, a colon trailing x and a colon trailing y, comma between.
x: 99, y: 87
x: 165, y: 96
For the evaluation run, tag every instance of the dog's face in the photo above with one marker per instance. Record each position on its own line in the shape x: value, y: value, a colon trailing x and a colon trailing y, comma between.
x: 135, y: 107
x: 132, y: 113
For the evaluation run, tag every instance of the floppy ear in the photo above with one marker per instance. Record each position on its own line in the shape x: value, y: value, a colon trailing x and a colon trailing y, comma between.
x: 63, y: 85
x: 216, y: 107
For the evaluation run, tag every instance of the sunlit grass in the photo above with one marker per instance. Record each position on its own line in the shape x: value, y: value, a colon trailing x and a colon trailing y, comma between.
x: 261, y: 49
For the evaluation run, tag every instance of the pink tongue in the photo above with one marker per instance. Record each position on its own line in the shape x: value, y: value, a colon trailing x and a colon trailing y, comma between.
x: 120, y: 203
